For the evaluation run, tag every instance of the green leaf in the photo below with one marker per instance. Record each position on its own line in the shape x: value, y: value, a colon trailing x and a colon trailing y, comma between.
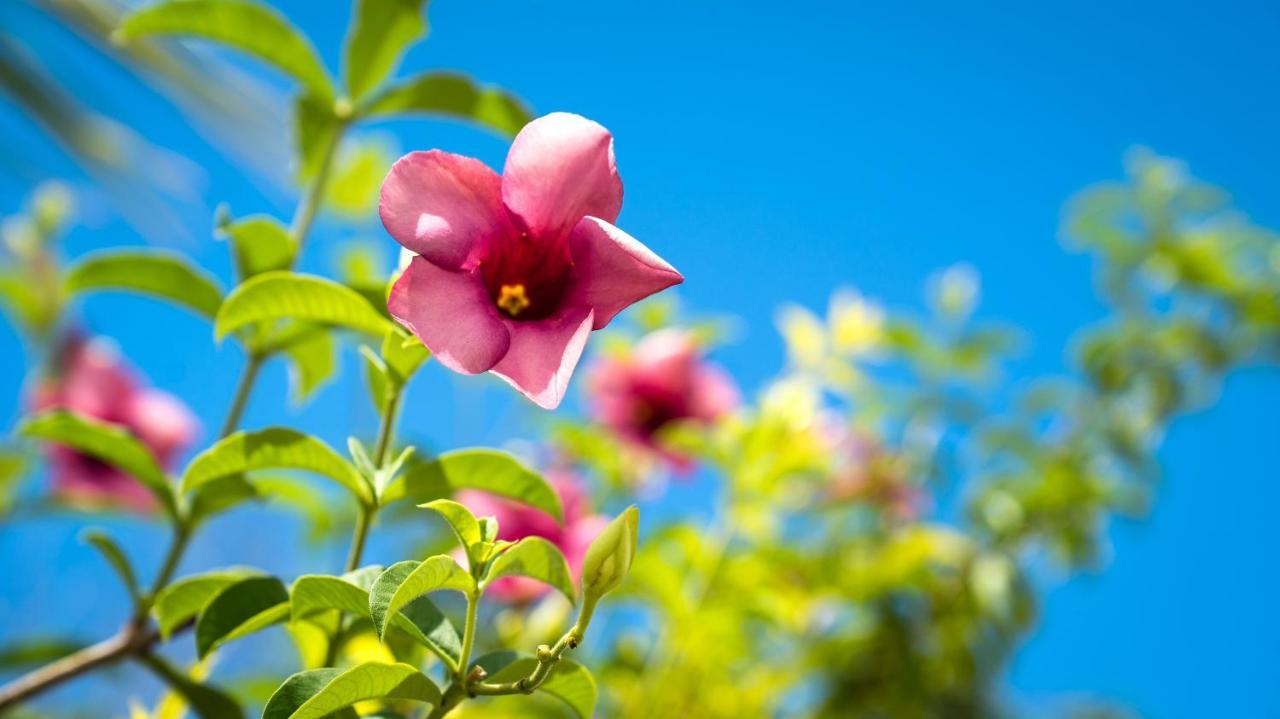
x: 536, y: 558
x: 312, y: 361
x: 322, y: 692
x: 488, y: 470
x: 608, y: 559
x: 286, y: 295
x: 247, y: 26
x: 422, y: 621
x: 273, y: 448
x: 219, y: 495
x: 260, y: 244
x: 316, y: 129
x: 188, y: 596
x: 403, y: 354
x: 107, y: 442
x: 454, y: 96
x: 204, y: 700
x: 167, y: 276
x: 404, y: 582
x: 247, y: 606
x: 21, y: 653
x: 568, y: 681
x: 380, y: 32
x: 465, y: 527
x: 116, y: 558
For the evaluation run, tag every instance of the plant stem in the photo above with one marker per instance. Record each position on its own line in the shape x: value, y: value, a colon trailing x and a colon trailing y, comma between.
x: 241, y: 399
x: 468, y: 635
x: 387, y: 429
x: 134, y: 638
x: 360, y: 535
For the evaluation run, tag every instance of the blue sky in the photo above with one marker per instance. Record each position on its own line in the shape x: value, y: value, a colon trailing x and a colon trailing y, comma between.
x: 774, y: 153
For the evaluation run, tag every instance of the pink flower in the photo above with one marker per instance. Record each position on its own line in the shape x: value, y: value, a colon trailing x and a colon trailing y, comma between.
x: 664, y: 379
x: 517, y: 521
x: 91, y: 379
x: 514, y: 271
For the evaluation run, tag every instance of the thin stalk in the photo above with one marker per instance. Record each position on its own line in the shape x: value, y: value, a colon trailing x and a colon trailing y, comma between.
x: 359, y: 536
x: 468, y: 636
x: 241, y: 399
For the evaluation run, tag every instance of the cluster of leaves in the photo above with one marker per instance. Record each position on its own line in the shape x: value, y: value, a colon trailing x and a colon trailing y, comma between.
x: 824, y: 587
x: 273, y: 312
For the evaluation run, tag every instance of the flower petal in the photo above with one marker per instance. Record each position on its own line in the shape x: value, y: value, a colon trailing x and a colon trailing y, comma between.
x: 544, y: 354
x: 613, y: 270
x: 442, y: 206
x: 163, y: 422
x: 560, y: 169
x: 453, y: 315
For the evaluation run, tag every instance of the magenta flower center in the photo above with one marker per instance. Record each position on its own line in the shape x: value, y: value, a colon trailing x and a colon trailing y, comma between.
x: 526, y: 278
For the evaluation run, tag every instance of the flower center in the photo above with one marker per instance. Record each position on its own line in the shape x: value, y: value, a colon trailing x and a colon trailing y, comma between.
x: 512, y: 299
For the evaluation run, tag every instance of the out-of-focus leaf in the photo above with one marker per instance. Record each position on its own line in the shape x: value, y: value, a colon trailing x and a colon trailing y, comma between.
x: 21, y: 653
x: 359, y: 168
x: 380, y: 32
x: 403, y: 353
x: 316, y: 128
x: 247, y: 26
x: 260, y: 244
x: 107, y: 442
x: 220, y: 495
x: 312, y: 361
x: 206, y: 701
x: 322, y: 692
x: 288, y: 296
x: 454, y: 96
x: 115, y: 557
x: 403, y: 582
x: 536, y: 558
x: 242, y: 608
x: 488, y: 470
x: 167, y: 276
x: 273, y: 448
x: 187, y: 597
x: 568, y: 681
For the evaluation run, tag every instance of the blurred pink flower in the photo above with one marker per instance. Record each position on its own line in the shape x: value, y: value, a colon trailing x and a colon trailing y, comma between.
x: 867, y: 472
x: 91, y: 379
x: 512, y: 272
x: 517, y: 521
x: 665, y: 378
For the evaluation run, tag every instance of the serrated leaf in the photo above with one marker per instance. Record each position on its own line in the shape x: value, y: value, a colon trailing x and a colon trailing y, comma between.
x: 568, y: 681
x: 116, y: 558
x: 322, y: 692
x: 404, y: 582
x: 167, y: 276
x: 380, y: 32
x: 260, y: 244
x: 422, y: 621
x: 289, y: 296
x: 536, y: 558
x: 206, y: 701
x: 464, y: 524
x: 455, y: 96
x: 188, y: 596
x: 247, y: 26
x: 488, y: 470
x: 273, y: 448
x: 240, y: 609
x: 107, y: 442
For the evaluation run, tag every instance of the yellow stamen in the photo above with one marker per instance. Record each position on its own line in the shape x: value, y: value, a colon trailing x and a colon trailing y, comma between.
x: 512, y: 299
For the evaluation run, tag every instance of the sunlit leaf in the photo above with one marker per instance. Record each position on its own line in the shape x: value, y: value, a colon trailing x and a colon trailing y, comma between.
x: 107, y: 442
x: 455, y: 96
x: 247, y: 26
x: 206, y: 701
x: 273, y: 448
x: 288, y: 296
x: 536, y: 558
x: 568, y: 681
x: 404, y: 582
x: 380, y: 32
x: 164, y: 275
x: 247, y: 606
x: 187, y: 597
x: 260, y: 244
x: 464, y: 524
x: 488, y: 470
x: 322, y: 692
x: 219, y: 495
